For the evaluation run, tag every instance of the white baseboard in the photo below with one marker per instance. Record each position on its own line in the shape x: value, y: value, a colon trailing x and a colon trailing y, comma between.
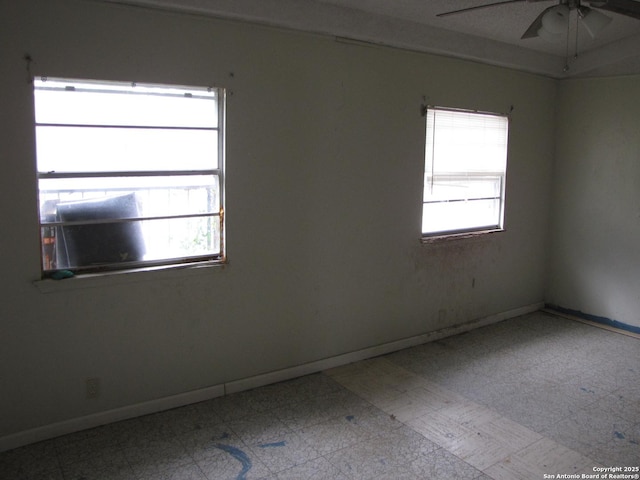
x: 320, y: 365
x: 97, y: 419
x: 57, y: 429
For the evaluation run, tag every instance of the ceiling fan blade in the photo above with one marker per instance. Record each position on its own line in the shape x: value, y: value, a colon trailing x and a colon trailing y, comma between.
x: 630, y: 8
x: 478, y: 7
x: 532, y: 31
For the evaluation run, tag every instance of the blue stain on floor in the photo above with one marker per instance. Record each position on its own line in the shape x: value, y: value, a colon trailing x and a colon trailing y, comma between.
x: 350, y: 418
x: 238, y: 455
x: 619, y: 435
x: 586, y: 390
x: 274, y: 444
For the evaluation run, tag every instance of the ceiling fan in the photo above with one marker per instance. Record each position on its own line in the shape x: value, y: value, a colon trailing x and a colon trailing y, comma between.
x: 553, y: 21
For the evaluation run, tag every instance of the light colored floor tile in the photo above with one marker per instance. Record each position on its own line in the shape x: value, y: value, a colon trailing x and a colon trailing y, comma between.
x: 157, y: 456
x: 622, y: 449
x: 438, y: 367
x: 265, y: 399
x: 185, y: 472
x: 105, y: 474
x: 470, y: 385
x: 499, y: 364
x: 304, y: 414
x: 234, y: 406
x: 341, y: 403
x: 285, y: 452
x: 483, y: 476
x: 549, y: 456
x: 345, y: 371
x: 380, y: 382
x: 406, y: 441
x: 201, y: 444
x: 259, y: 428
x: 83, y: 452
x: 442, y: 465
x: 508, y: 433
x: 310, y: 386
x: 371, y: 389
x: 233, y: 464
x: 112, y: 466
x: 139, y: 431
x: 623, y: 402
x: 318, y: 469
x: 480, y: 450
x: 513, y: 468
x: 469, y: 414
x: 530, y: 408
x: 440, y: 429
x: 414, y: 403
x: 620, y: 373
x: 185, y: 419
x: 565, y: 397
x: 599, y: 433
x: 334, y: 434
x: 382, y: 366
x: 372, y: 420
x: 388, y: 456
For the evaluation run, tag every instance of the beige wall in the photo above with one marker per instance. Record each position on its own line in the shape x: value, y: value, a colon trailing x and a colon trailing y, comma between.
x: 595, y: 264
x: 324, y: 186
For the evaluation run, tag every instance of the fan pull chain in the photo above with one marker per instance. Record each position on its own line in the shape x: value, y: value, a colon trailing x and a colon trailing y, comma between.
x: 577, y: 25
x: 566, y: 53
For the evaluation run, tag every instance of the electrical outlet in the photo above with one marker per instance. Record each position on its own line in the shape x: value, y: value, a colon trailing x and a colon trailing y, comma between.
x: 92, y: 388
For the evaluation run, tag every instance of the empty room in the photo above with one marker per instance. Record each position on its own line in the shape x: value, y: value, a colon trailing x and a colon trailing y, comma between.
x: 319, y: 239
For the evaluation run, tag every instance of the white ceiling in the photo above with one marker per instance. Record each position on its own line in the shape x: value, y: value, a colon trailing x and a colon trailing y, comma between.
x: 489, y: 35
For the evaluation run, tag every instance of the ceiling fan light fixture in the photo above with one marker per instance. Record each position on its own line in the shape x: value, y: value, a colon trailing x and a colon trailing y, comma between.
x: 593, y: 20
x: 555, y: 20
x: 548, y: 36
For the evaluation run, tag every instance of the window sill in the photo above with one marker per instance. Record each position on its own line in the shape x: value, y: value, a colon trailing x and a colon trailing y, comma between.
x: 452, y: 237
x: 100, y: 280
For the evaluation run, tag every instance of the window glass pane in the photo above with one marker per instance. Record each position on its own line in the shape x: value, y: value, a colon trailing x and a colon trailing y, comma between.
x: 465, y: 167
x: 87, y: 245
x: 85, y: 149
x: 181, y: 237
x: 155, y: 196
x: 460, y: 215
x: 90, y: 236
x: 461, y: 187
x: 468, y: 142
x: 66, y: 102
x: 128, y: 174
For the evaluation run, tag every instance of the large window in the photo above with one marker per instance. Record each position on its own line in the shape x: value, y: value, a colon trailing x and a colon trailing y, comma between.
x: 465, y: 170
x: 129, y: 175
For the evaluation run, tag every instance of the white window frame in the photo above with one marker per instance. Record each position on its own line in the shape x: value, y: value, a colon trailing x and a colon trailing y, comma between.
x: 456, y: 210
x: 52, y: 227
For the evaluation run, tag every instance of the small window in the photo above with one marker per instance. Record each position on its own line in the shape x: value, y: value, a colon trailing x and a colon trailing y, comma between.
x: 465, y: 170
x: 129, y: 175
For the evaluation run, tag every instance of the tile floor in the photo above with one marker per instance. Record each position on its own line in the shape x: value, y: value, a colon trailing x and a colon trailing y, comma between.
x: 530, y: 396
